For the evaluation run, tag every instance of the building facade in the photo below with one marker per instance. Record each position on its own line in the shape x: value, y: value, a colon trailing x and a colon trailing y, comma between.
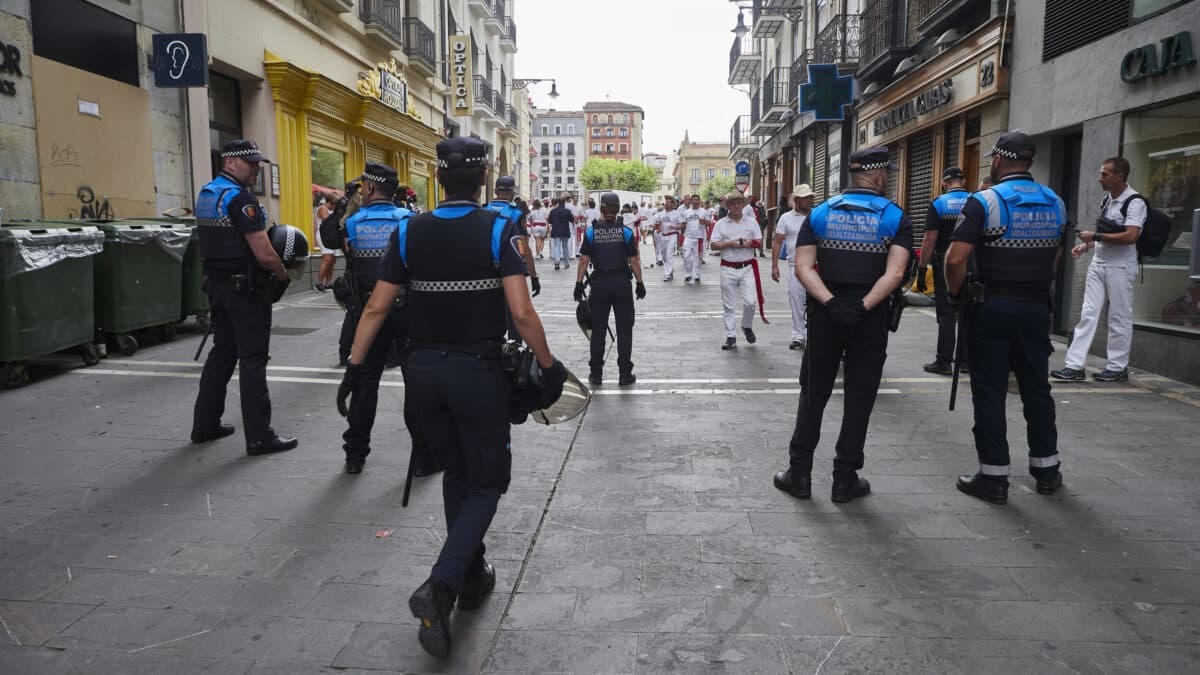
x: 523, y: 169
x: 558, y: 138
x: 658, y: 163
x: 1125, y: 83
x: 85, y: 132
x: 698, y: 163
x: 614, y: 130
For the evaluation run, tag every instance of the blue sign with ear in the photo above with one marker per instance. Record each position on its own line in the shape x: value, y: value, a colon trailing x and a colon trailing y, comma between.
x: 180, y: 60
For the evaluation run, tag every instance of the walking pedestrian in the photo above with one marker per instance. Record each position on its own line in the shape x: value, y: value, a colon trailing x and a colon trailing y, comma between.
x: 784, y: 248
x: 736, y: 237
x: 939, y: 226
x: 560, y: 220
x: 668, y: 223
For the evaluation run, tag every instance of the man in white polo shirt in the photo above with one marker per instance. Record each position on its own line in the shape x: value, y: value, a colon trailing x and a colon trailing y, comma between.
x: 785, y: 245
x: 736, y: 236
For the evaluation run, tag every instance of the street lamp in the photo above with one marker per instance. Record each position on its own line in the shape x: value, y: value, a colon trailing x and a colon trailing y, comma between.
x: 524, y: 83
x: 740, y: 30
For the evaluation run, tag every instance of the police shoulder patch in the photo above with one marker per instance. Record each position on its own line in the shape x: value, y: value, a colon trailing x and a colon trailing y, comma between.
x: 251, y: 211
x: 518, y: 245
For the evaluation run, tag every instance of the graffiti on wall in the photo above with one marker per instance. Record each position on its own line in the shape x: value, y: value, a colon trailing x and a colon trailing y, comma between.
x: 92, y: 207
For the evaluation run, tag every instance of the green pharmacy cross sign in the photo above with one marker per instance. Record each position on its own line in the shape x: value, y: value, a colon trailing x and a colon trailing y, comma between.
x: 827, y: 93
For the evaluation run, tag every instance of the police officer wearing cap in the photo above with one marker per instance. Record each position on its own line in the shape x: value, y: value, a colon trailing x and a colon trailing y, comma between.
x: 456, y: 308
x: 366, y: 239
x: 1016, y: 230
x: 939, y: 224
x: 243, y: 276
x: 612, y: 250
x: 850, y: 255
x: 506, y: 189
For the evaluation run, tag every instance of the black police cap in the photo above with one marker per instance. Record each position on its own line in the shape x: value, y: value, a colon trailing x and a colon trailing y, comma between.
x: 953, y: 173
x: 379, y: 173
x: 243, y: 149
x: 610, y: 200
x: 461, y: 152
x: 1015, y: 145
x: 869, y: 159
x: 506, y: 183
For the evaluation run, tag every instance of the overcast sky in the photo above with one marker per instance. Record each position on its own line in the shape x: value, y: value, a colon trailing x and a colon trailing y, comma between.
x: 671, y: 57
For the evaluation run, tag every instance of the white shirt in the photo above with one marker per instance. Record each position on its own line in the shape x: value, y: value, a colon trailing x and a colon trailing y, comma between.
x: 590, y: 216
x: 629, y: 219
x: 670, y: 221
x: 748, y: 212
x: 694, y: 230
x: 789, y: 226
x: 1120, y: 254
x: 538, y: 216
x: 727, y: 229
x: 575, y: 210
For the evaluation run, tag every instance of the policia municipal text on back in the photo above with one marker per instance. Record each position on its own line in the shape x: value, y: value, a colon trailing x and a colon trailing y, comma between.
x: 456, y: 311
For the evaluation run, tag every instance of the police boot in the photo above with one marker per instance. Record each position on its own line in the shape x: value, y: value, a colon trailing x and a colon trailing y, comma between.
x: 204, y: 436
x: 1048, y: 482
x: 355, y: 460
x: 480, y: 581
x: 273, y: 444
x: 627, y: 378
x: 597, y: 374
x: 431, y: 604
x: 992, y: 489
x: 847, y: 490
x: 794, y: 483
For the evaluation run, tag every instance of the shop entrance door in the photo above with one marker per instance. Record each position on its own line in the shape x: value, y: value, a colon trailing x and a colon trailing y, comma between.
x: 1068, y: 189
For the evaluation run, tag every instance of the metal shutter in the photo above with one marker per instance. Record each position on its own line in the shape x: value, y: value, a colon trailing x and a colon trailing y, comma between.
x: 820, y: 169
x: 893, y: 176
x: 920, y: 182
x: 1070, y: 24
x: 952, y: 142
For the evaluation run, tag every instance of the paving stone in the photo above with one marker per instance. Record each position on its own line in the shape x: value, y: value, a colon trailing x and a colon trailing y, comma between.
x: 557, y: 574
x: 386, y: 647
x: 849, y: 654
x: 756, y: 613
x: 558, y: 651
x: 639, y: 613
x: 697, y: 522
x: 225, y: 596
x: 265, y: 638
x: 693, y: 578
x: 876, y: 581
x: 764, y: 549
x: 695, y: 653
x: 1113, y: 585
x: 540, y: 611
x: 135, y: 628
x: 34, y: 623
x: 123, y: 588
x: 89, y: 662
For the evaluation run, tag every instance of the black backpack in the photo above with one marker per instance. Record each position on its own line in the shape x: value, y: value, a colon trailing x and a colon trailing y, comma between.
x: 1155, y: 230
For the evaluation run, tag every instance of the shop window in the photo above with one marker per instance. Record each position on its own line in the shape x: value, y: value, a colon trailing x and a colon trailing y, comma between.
x: 328, y: 166
x: 224, y: 115
x: 84, y: 36
x: 1163, y: 149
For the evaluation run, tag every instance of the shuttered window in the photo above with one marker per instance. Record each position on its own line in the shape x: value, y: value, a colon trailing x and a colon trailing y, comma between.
x: 952, y: 143
x: 920, y: 182
x: 893, y: 176
x: 1071, y: 24
x: 820, y: 152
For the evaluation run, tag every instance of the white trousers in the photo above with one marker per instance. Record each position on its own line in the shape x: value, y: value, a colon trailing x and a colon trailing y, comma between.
x: 735, y: 283
x: 1114, y: 283
x: 666, y: 247
x: 691, y: 257
x: 657, y: 246
x: 798, y: 298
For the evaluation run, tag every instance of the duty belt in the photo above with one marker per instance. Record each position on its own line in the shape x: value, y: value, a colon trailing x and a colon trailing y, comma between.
x: 455, y: 286
x: 610, y: 273
x: 737, y: 265
x: 484, y: 349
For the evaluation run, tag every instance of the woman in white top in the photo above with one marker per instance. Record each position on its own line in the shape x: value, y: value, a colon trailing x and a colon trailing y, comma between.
x: 538, y: 228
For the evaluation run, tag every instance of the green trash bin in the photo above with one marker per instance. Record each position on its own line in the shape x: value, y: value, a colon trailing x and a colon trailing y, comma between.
x: 194, y: 301
x: 46, y: 293
x: 139, y: 279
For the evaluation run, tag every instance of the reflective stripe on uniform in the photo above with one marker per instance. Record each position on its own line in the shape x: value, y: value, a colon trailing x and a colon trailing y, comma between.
x: 993, y: 470
x: 454, y: 286
x: 1044, y: 462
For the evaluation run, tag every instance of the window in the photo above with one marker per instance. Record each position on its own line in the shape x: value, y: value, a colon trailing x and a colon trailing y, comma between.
x: 545, y: 164
x: 545, y: 148
x: 558, y: 165
x: 225, y: 119
x: 608, y: 148
x: 595, y: 147
x: 570, y: 129
x: 624, y: 148
x: 84, y: 36
x: 545, y: 130
x: 1144, y: 8
x: 570, y: 168
x: 695, y: 175
x: 595, y: 118
x: 610, y: 119
x: 558, y: 148
x: 608, y: 133
x: 570, y: 148
x: 1161, y: 145
x: 710, y: 174
x: 624, y: 132
x: 625, y: 118
x: 557, y: 129
x: 725, y: 172
x: 570, y: 180
x: 595, y: 133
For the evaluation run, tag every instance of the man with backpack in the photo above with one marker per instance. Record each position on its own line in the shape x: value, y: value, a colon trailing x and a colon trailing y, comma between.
x: 1110, y: 276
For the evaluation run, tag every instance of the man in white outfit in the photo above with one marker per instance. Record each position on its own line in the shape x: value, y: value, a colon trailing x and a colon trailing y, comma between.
x: 785, y: 246
x: 696, y: 219
x: 668, y: 223
x: 1110, y: 276
x: 736, y: 236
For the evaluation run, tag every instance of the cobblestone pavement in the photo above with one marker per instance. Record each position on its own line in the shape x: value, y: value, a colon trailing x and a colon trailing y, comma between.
x: 644, y: 537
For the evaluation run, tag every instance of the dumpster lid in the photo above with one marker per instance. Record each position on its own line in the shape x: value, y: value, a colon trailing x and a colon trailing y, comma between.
x: 34, y: 245
x: 171, y: 237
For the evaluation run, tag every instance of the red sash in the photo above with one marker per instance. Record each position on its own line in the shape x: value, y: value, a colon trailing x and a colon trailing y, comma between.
x: 753, y: 263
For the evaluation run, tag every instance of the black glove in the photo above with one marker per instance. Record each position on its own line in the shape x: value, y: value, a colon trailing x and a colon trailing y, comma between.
x: 579, y: 291
x: 846, y: 313
x: 552, y: 381
x: 279, y: 289
x: 640, y: 292
x: 351, y: 381
x: 536, y: 284
x: 921, y: 285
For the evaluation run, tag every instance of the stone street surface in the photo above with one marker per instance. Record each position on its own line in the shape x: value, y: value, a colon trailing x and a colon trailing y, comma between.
x: 644, y: 536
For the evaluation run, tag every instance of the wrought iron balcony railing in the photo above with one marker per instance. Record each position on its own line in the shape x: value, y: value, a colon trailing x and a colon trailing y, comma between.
x: 838, y: 42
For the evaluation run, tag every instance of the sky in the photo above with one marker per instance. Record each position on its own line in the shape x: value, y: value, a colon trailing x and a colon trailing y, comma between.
x: 671, y: 57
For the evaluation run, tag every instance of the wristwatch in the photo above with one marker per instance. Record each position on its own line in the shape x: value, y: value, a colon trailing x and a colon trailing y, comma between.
x: 1099, y: 236
x: 741, y: 242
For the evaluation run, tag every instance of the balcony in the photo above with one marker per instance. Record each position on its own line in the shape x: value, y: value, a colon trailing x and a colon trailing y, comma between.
x: 798, y: 74
x: 934, y: 16
x: 775, y: 96
x: 837, y: 42
x: 420, y: 45
x: 384, y: 22
x: 513, y: 120
x: 499, y: 107
x: 482, y: 7
x: 744, y: 58
x: 495, y: 19
x: 508, y: 39
x: 483, y: 98
x: 755, y: 108
x: 883, y: 41
x: 339, y: 6
x: 742, y: 144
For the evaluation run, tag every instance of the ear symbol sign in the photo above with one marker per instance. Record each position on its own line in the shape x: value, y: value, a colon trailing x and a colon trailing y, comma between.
x: 179, y: 52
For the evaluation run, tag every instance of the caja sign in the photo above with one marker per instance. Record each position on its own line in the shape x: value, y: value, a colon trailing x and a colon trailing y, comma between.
x: 1148, y: 61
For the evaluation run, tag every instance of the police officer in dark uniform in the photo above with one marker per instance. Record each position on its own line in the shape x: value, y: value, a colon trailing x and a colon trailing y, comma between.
x: 1016, y: 230
x: 456, y: 308
x: 612, y: 249
x: 939, y: 224
x: 851, y: 255
x: 243, y: 276
x: 506, y: 188
x: 368, y: 232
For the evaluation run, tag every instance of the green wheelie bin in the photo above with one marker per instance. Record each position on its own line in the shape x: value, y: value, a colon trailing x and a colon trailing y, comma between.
x: 46, y: 293
x: 139, y: 279
x: 194, y: 301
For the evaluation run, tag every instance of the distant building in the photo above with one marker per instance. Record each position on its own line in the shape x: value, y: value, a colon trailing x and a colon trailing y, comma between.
x: 698, y: 163
x: 614, y: 130
x: 659, y: 163
x: 558, y: 139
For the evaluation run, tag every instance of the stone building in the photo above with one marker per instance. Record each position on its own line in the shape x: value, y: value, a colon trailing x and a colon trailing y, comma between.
x: 614, y: 130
